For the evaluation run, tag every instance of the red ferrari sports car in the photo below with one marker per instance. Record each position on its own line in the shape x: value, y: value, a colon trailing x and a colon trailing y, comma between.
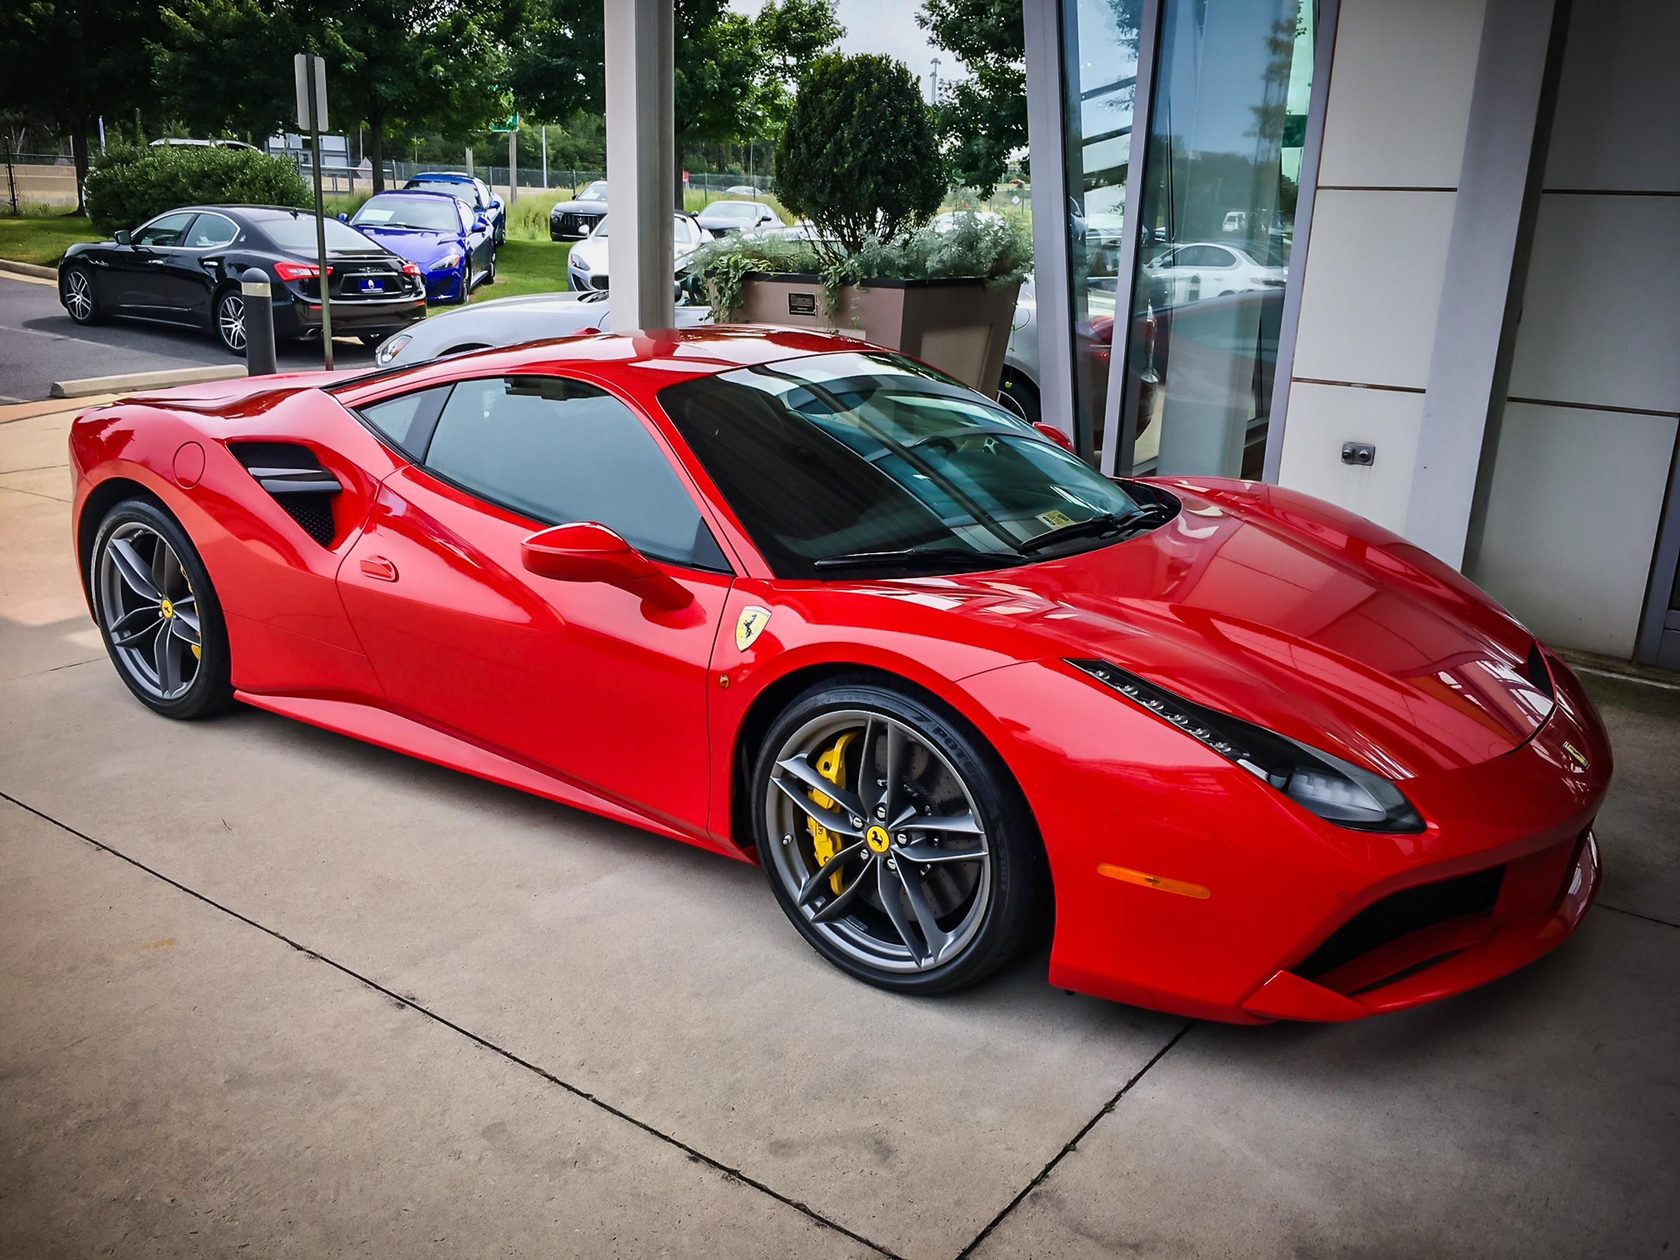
x: 811, y: 604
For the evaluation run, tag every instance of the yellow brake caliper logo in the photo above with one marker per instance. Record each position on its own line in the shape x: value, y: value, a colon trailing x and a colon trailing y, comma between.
x: 832, y: 766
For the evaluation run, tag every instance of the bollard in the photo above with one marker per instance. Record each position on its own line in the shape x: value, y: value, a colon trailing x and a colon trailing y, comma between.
x: 259, y: 323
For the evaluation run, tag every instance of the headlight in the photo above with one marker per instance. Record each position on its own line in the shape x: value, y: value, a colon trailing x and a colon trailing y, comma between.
x: 1335, y: 790
x: 391, y: 347
x: 448, y: 262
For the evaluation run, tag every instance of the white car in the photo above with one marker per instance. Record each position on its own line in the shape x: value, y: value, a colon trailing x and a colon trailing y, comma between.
x: 586, y: 266
x: 1203, y: 269
x: 725, y: 218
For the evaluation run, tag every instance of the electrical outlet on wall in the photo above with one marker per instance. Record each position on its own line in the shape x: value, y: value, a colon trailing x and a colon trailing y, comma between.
x: 1360, y: 454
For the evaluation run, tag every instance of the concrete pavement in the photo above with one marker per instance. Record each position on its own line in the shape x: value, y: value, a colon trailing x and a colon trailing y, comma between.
x: 289, y: 991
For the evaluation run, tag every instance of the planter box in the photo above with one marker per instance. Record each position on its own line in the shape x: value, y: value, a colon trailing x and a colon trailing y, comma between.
x: 960, y: 326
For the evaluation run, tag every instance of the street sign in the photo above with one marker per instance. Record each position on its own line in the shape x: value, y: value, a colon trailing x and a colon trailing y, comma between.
x: 512, y: 124
x: 301, y: 74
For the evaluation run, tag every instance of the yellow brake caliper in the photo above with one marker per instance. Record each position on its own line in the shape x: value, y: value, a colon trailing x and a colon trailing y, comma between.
x: 832, y: 766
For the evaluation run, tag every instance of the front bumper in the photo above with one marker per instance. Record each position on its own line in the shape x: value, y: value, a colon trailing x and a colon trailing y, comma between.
x: 302, y: 318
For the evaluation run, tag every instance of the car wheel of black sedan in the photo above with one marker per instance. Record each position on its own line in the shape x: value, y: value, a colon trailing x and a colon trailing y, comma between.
x: 230, y: 321
x: 158, y: 613
x: 76, y: 292
x: 895, y: 840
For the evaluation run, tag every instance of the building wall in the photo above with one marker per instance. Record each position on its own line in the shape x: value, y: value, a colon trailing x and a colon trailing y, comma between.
x: 1582, y: 458
x: 1400, y: 86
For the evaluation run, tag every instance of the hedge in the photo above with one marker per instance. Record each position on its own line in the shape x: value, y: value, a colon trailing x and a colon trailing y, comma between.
x: 129, y: 185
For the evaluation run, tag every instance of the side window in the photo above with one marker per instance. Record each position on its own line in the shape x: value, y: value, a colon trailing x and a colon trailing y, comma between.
x: 165, y: 231
x: 210, y: 231
x: 406, y: 422
x: 559, y: 451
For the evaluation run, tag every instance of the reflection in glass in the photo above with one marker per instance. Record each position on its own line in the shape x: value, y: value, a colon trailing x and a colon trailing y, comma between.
x: 1100, y: 47
x: 1221, y: 175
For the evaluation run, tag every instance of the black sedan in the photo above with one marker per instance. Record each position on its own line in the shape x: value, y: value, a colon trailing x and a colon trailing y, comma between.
x: 185, y: 267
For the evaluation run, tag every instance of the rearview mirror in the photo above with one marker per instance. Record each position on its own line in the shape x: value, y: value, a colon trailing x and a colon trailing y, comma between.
x: 122, y: 238
x: 587, y: 552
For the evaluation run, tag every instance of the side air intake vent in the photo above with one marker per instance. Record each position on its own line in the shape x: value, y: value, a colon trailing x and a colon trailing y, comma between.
x: 296, y: 480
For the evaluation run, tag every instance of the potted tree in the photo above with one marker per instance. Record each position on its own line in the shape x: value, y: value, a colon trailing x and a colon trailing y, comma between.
x: 858, y: 162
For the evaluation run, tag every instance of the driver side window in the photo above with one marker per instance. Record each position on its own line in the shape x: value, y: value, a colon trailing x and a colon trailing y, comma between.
x: 558, y: 451
x: 164, y: 232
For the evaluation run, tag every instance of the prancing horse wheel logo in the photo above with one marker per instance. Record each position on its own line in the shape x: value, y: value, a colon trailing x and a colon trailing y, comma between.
x: 877, y: 839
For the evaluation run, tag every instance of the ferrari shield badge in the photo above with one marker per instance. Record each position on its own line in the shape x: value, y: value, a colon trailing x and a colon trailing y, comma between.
x: 750, y: 626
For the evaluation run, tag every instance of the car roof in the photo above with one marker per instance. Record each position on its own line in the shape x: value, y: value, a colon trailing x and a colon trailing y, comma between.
x: 454, y: 177
x: 413, y: 192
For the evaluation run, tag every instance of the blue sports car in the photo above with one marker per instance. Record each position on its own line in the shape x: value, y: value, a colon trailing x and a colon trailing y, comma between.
x: 454, y: 249
x: 480, y: 199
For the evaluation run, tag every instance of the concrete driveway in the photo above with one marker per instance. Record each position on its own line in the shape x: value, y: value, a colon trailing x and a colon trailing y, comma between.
x: 262, y: 987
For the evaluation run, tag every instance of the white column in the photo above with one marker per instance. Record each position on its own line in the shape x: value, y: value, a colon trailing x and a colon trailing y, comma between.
x: 641, y: 162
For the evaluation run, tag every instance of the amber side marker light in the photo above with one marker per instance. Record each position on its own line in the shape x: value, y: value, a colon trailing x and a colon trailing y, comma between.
x: 1126, y: 875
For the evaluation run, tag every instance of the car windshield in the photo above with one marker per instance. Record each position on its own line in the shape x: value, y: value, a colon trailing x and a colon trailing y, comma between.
x: 682, y: 231
x: 428, y: 214
x: 858, y: 463
x: 595, y: 192
x: 744, y: 211
x: 295, y: 233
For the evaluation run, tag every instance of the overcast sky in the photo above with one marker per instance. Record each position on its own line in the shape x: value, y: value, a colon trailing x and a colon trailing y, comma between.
x: 881, y: 26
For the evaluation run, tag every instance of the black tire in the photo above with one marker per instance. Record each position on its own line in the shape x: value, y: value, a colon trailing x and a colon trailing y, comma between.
x: 466, y: 279
x: 210, y: 689
x: 490, y: 275
x: 78, y: 295
x: 227, y: 319
x: 1020, y: 395
x: 371, y: 340
x: 1011, y: 914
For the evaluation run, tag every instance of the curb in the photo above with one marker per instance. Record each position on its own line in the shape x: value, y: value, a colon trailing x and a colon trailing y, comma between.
x: 28, y: 269
x: 131, y: 381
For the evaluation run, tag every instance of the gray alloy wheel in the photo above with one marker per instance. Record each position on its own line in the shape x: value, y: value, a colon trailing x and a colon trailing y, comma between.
x: 891, y: 866
x: 230, y: 321
x: 149, y: 612
x: 490, y: 275
x: 79, y: 300
x: 466, y: 279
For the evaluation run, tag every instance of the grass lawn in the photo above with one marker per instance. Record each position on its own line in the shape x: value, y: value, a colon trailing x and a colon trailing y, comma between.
x: 42, y: 239
x: 527, y: 267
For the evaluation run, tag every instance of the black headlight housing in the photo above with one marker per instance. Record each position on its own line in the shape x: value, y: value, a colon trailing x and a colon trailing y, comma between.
x: 1335, y: 790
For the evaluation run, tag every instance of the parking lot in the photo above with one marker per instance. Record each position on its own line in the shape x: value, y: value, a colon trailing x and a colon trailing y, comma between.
x: 267, y: 988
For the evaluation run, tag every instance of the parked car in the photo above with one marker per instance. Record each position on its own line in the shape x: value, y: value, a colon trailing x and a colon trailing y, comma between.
x: 1199, y: 269
x: 573, y: 220
x: 801, y: 603
x: 726, y: 218
x: 586, y: 265
x: 513, y: 321
x: 742, y: 190
x: 470, y: 189
x: 182, y: 142
x: 436, y: 231
x: 185, y: 266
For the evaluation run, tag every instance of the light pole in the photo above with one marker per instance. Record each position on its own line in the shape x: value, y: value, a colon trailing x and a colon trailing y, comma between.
x: 933, y: 95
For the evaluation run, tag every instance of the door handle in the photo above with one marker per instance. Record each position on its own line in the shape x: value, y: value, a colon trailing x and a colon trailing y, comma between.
x: 379, y: 568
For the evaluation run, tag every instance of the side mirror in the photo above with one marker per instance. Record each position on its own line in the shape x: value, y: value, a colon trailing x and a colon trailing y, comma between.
x: 587, y: 552
x: 1055, y: 435
x: 342, y: 217
x: 481, y: 224
x: 122, y: 238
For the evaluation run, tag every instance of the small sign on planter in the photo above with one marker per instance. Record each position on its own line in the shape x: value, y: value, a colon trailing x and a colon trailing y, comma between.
x: 802, y: 303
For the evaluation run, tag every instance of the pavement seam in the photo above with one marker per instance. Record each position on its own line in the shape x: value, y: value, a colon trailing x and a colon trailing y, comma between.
x: 1059, y: 1156
x: 1634, y: 914
x: 734, y: 1174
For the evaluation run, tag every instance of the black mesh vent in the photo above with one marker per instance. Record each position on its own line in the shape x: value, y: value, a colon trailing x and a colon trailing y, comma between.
x: 1538, y: 674
x: 1402, y: 913
x: 313, y: 512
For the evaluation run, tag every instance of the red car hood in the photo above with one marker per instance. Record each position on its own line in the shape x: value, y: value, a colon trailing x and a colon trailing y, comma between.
x: 1295, y: 616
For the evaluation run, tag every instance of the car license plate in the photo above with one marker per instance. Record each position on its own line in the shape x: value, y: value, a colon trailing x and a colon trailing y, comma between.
x: 370, y: 285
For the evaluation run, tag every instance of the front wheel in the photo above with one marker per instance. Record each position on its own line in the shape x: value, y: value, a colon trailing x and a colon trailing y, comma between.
x: 894, y: 840
x: 490, y: 275
x: 158, y: 613
x: 76, y: 292
x: 230, y: 321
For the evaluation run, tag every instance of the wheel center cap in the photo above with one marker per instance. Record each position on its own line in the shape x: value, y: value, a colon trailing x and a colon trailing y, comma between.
x: 167, y: 609
x: 877, y: 839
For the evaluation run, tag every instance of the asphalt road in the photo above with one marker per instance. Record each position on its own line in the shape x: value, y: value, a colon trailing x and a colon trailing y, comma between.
x: 39, y: 345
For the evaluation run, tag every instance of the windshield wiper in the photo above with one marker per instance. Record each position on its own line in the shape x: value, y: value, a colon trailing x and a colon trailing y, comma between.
x: 916, y: 558
x: 1092, y: 527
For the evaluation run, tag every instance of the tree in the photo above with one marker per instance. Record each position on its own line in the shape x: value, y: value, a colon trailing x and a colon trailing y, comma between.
x: 983, y: 118
x: 791, y: 35
x: 67, y: 62
x: 858, y: 156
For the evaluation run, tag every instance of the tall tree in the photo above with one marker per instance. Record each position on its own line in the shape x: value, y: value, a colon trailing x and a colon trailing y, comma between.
x: 791, y: 35
x: 67, y: 62
x: 981, y: 119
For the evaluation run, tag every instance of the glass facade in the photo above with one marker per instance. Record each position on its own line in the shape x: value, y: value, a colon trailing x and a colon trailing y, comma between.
x: 1203, y: 265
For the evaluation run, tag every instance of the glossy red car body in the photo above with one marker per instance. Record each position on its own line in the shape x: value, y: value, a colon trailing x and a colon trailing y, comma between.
x: 1181, y: 881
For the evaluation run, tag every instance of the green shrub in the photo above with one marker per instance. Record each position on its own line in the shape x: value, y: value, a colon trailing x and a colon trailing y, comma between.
x: 858, y: 156
x: 990, y: 248
x: 128, y: 185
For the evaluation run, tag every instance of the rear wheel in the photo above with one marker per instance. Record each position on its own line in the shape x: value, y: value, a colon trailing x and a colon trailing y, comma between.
x: 894, y: 841
x: 76, y: 292
x: 230, y: 321
x: 158, y: 613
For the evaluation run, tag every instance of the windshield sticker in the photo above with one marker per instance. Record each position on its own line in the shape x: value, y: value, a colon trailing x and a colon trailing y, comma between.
x: 1055, y: 519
